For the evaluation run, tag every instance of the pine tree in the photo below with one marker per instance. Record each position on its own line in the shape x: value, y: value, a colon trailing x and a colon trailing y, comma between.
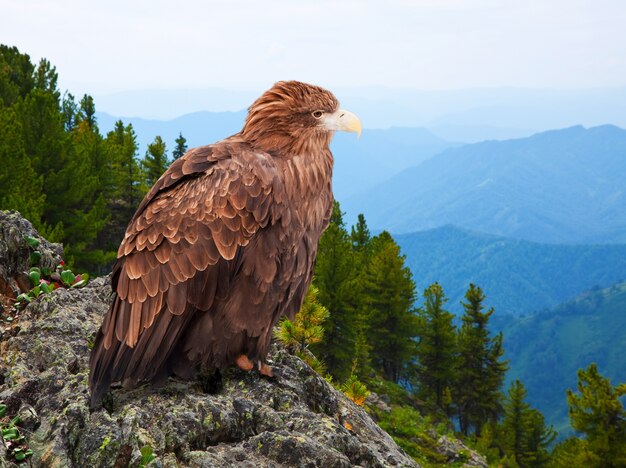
x: 16, y: 75
x: 46, y: 78
x: 361, y: 241
x: 46, y: 144
x: 87, y: 111
x: 540, y: 437
x: 480, y: 371
x: 597, y: 412
x: 436, y: 351
x: 334, y: 278
x: 181, y: 147
x: 20, y: 187
x: 122, y: 146
x: 155, y: 161
x: 524, y: 436
x: 70, y: 112
x: 389, y: 295
x: 360, y: 235
x: 83, y: 203
x: 307, y: 326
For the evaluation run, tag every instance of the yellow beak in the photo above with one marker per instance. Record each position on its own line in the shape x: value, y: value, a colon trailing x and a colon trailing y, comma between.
x: 343, y: 120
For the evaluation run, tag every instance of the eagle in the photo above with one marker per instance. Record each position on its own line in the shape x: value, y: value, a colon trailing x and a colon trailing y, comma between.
x: 222, y: 246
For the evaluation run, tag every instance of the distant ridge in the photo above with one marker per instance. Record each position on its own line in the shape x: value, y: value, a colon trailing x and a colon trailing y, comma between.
x: 560, y: 186
x: 519, y: 277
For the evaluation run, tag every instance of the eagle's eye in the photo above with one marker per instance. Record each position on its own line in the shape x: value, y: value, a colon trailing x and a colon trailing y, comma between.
x: 318, y: 114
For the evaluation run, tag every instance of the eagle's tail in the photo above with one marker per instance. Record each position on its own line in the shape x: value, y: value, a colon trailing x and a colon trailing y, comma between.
x: 146, y: 361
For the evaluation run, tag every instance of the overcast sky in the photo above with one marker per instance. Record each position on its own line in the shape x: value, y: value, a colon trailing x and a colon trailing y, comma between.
x: 114, y: 45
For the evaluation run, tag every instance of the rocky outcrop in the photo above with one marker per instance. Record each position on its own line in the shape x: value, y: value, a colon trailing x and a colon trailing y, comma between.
x: 298, y: 419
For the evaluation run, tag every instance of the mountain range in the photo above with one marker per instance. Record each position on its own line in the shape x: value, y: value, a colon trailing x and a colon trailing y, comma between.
x: 560, y: 186
x: 519, y: 277
x: 468, y: 115
x: 359, y: 164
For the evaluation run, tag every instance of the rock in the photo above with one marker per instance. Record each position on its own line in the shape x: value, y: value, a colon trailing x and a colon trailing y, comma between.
x: 378, y: 402
x: 298, y: 419
x: 15, y: 253
x: 456, y: 452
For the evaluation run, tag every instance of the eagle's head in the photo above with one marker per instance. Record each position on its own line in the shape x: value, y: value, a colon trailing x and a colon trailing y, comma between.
x: 294, y: 117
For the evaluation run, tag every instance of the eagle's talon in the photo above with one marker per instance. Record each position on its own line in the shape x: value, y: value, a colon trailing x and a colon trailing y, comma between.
x: 266, y: 370
x: 244, y: 363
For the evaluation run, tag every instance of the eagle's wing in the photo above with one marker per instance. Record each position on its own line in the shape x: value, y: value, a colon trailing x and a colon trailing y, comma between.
x: 180, y: 251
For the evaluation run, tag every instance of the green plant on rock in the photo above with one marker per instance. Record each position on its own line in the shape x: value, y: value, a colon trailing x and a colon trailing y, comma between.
x: 35, y: 254
x: 16, y: 447
x: 147, y: 455
x: 355, y: 390
x: 410, y: 430
x: 44, y: 281
x: 307, y: 327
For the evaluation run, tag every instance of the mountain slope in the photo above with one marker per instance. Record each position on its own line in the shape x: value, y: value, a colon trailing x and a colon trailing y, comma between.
x: 359, y: 164
x: 546, y: 350
x: 379, y: 155
x: 558, y: 186
x: 518, y: 276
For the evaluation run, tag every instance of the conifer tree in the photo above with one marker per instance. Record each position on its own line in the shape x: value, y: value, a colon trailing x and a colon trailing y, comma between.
x: 155, y: 161
x: 335, y: 277
x: 46, y: 78
x: 46, y: 144
x: 360, y: 235
x: 70, y: 112
x: 389, y: 295
x: 16, y: 75
x: 87, y: 187
x: 361, y: 241
x: 122, y: 146
x: 597, y: 412
x: 524, y: 436
x: 307, y: 328
x: 436, y: 350
x: 87, y: 111
x: 480, y: 370
x: 180, y: 148
x: 20, y: 187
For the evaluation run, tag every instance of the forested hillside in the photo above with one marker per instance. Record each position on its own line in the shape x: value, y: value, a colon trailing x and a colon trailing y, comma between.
x: 75, y: 184
x: 520, y: 276
x: 546, y: 349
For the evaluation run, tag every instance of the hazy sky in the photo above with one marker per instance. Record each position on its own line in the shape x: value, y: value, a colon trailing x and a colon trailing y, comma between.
x: 114, y: 45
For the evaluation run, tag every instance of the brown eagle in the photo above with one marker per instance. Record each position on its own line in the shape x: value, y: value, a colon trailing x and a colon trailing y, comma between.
x: 223, y: 245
